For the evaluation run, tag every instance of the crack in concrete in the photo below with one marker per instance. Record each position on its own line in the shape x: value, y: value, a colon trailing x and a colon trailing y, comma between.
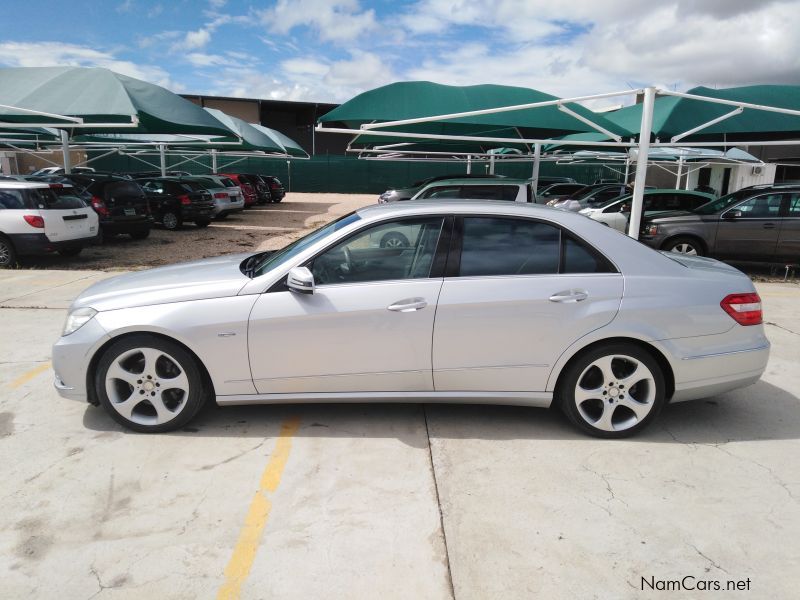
x: 712, y: 562
x: 232, y: 458
x: 781, y: 327
x: 609, y: 489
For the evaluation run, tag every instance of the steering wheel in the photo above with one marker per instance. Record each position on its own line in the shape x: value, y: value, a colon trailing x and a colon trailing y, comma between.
x: 346, y: 267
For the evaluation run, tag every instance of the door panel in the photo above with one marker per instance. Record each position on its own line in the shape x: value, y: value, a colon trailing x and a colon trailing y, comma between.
x: 505, y: 334
x: 344, y: 338
x: 789, y: 237
x: 754, y: 235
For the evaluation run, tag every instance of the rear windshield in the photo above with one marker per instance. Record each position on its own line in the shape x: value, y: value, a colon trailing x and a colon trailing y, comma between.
x: 227, y: 182
x: 60, y: 198
x: 13, y: 199
x: 123, y: 188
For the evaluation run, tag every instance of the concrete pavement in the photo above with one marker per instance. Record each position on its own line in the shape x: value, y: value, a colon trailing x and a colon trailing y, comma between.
x: 366, y: 501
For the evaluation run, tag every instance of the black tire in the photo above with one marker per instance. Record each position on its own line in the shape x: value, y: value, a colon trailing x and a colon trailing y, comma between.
x: 222, y: 216
x: 74, y: 251
x: 581, y: 367
x: 140, y: 234
x: 202, y: 223
x: 675, y: 245
x: 8, y: 254
x: 277, y: 200
x: 171, y: 220
x: 198, y: 394
x: 394, y: 239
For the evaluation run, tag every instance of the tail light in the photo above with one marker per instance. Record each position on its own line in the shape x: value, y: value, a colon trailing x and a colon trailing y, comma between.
x: 745, y: 309
x: 274, y: 186
x: 56, y: 186
x: 99, y: 206
x: 184, y: 198
x: 34, y: 221
x: 221, y: 195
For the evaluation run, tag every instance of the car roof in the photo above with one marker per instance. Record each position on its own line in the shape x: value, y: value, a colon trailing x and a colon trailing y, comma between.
x: 479, y: 181
x: 25, y: 185
x: 499, y: 207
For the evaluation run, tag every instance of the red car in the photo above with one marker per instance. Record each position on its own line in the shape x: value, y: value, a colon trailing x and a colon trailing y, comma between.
x: 248, y: 191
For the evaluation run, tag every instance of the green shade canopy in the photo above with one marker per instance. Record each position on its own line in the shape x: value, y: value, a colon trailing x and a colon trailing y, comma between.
x: 252, y: 138
x: 99, y: 97
x: 415, y: 99
x: 674, y: 115
x: 291, y: 148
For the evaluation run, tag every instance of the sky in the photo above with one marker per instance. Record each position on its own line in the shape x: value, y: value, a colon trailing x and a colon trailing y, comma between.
x: 331, y: 50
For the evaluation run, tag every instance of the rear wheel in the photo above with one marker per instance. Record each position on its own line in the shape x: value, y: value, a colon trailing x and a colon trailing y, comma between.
x: 201, y: 223
x: 149, y: 384
x: 171, y: 221
x: 276, y: 200
x: 8, y: 256
x: 393, y: 239
x: 612, y: 391
x: 684, y: 245
x: 74, y: 251
x: 140, y: 234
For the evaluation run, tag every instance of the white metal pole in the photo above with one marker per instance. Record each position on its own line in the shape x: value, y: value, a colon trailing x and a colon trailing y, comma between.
x: 491, y: 164
x: 469, y: 164
x: 537, y: 159
x: 645, y: 130
x: 213, y: 161
x: 680, y: 169
x: 627, y: 169
x: 65, y: 151
x: 163, y: 159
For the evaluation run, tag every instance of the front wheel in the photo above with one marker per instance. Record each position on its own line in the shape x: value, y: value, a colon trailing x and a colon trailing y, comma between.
x: 149, y: 384
x: 612, y: 391
x: 684, y: 245
x: 171, y: 221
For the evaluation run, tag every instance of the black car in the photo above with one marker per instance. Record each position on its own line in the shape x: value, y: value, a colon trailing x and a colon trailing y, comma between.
x: 119, y: 202
x: 276, y: 190
x: 174, y: 202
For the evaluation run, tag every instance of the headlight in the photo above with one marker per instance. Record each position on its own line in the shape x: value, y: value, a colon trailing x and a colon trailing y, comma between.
x: 77, y: 319
x: 650, y: 229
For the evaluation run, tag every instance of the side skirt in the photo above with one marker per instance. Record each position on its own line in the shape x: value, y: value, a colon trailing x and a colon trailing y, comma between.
x: 537, y: 399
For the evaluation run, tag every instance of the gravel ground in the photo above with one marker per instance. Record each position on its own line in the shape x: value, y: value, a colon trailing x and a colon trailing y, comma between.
x: 259, y: 228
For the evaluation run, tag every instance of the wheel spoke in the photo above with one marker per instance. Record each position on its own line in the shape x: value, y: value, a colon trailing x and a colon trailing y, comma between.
x: 582, y: 395
x: 115, y: 371
x: 604, y: 364
x: 639, y: 373
x: 181, y: 382
x: 163, y: 413
x: 125, y: 408
x: 604, y: 422
x: 640, y: 409
x: 151, y: 355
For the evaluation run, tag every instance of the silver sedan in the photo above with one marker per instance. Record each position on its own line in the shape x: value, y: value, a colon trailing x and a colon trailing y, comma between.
x: 491, y: 302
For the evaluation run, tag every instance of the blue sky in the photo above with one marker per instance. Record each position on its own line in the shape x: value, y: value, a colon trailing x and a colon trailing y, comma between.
x: 329, y: 50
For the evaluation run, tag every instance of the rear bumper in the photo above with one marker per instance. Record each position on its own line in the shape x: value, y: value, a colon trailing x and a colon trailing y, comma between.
x: 224, y: 207
x: 31, y: 244
x: 126, y: 225
x: 194, y: 213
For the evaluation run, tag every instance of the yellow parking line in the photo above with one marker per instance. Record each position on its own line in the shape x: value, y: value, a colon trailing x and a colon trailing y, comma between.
x: 246, y: 547
x: 27, y: 376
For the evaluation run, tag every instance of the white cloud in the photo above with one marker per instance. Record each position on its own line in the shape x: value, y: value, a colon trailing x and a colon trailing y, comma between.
x: 338, y: 21
x: 50, y: 54
x: 193, y: 40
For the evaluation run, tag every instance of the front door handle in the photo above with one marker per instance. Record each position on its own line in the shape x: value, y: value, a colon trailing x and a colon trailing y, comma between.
x: 569, y: 296
x: 408, y: 305
x: 769, y: 225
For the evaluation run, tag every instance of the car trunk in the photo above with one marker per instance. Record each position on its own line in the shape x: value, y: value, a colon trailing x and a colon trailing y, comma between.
x: 66, y: 217
x: 125, y: 201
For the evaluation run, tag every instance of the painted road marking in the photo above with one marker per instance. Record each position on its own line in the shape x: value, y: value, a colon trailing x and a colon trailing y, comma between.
x: 246, y: 547
x: 27, y: 376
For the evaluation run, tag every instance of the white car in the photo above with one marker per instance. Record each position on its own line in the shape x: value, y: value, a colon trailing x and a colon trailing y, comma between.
x: 513, y: 190
x: 493, y: 302
x: 39, y: 218
x: 615, y: 212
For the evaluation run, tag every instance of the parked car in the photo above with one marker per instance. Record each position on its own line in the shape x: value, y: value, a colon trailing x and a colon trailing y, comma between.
x: 152, y: 174
x: 276, y: 190
x: 400, y: 194
x: 228, y: 196
x: 244, y: 183
x: 514, y: 190
x: 616, y: 212
x: 590, y: 195
x: 39, y: 218
x: 174, y: 202
x: 119, y: 202
x: 556, y: 191
x: 533, y: 306
x: 760, y: 223
x: 61, y: 171
x: 260, y: 186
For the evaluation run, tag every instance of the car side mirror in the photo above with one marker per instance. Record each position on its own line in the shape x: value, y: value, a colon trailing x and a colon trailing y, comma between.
x: 300, y: 280
x: 732, y: 214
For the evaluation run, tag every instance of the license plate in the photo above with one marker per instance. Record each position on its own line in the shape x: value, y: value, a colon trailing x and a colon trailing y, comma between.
x: 130, y: 212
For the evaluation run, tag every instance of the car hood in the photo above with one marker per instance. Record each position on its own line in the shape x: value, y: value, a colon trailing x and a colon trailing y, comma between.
x: 217, y: 277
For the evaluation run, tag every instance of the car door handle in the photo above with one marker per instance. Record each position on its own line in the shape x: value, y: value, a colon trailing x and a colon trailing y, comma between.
x: 569, y: 296
x: 769, y: 226
x: 408, y: 305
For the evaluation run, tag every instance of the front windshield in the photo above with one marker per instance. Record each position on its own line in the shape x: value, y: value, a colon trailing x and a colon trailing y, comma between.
x: 273, y: 260
x: 720, y: 204
x: 608, y: 203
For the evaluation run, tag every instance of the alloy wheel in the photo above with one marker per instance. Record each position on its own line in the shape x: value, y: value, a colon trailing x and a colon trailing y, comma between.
x: 147, y: 386
x: 615, y: 392
x: 5, y: 254
x: 170, y: 220
x: 685, y: 248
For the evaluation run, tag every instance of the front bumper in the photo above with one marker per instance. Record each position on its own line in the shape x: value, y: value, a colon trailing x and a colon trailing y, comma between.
x: 72, y: 355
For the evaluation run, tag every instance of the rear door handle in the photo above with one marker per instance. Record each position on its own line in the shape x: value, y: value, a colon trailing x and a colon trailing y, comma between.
x: 769, y: 226
x: 569, y: 296
x: 408, y: 305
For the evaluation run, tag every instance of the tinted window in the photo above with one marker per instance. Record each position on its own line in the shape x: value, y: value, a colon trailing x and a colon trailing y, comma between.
x: 61, y: 198
x: 442, y: 192
x: 490, y: 192
x: 579, y: 258
x: 395, y: 250
x: 122, y: 188
x: 761, y: 207
x: 12, y: 199
x: 497, y: 246
x: 794, y: 205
